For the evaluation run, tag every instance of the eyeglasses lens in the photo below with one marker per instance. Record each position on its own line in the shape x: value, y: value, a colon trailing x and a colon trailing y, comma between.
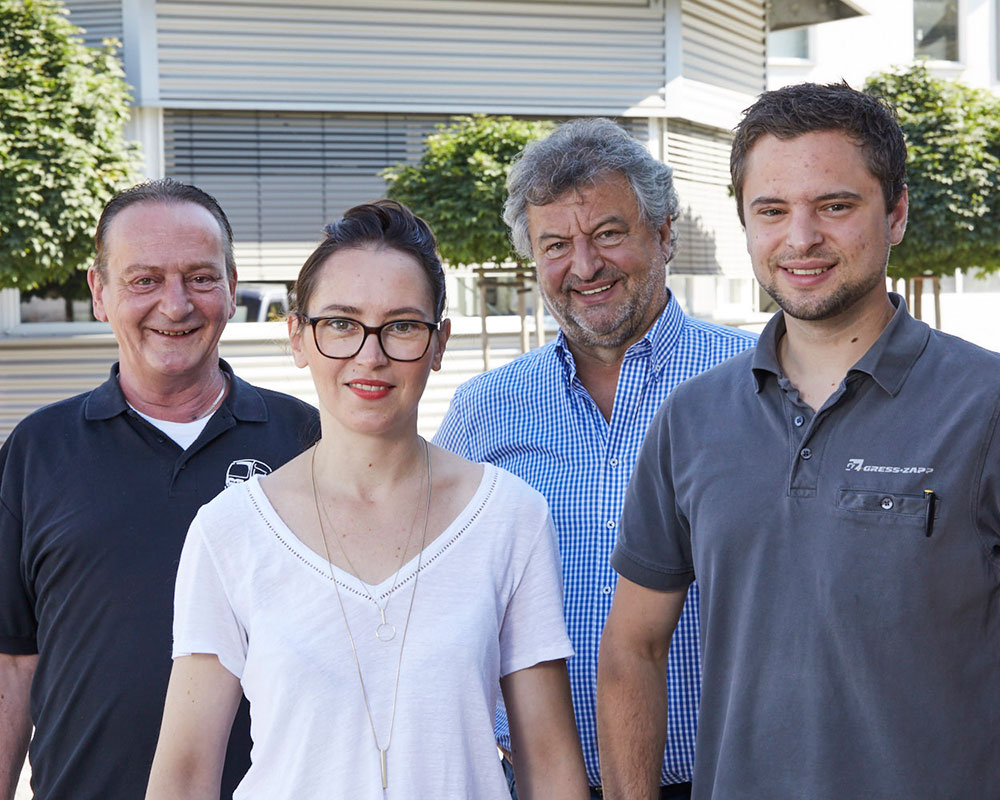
x: 343, y: 338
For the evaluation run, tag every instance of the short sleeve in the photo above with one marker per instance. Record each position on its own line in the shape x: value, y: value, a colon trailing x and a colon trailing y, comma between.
x: 204, y: 620
x: 988, y: 500
x: 451, y: 433
x: 17, y: 616
x: 533, y: 628
x: 654, y: 539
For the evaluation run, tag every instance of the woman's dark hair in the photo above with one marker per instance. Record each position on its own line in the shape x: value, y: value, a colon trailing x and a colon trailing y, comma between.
x: 383, y: 224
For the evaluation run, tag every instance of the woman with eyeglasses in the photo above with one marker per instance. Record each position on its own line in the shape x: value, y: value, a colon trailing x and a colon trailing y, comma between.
x: 371, y: 596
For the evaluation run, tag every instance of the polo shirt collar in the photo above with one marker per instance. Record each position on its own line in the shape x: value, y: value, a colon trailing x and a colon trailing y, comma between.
x: 657, y: 343
x: 888, y: 361
x: 243, y: 401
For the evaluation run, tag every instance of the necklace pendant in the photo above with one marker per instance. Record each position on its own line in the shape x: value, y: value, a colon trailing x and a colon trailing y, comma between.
x: 385, y: 771
x: 385, y: 632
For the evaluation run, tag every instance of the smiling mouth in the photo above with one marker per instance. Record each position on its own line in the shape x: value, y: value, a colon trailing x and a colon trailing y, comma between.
x: 176, y: 333
x: 369, y: 387
x: 599, y: 290
x: 812, y: 271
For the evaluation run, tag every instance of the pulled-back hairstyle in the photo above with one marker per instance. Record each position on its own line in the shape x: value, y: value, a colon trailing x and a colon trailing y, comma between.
x: 170, y: 192
x: 383, y: 224
x: 578, y: 154
x: 808, y: 108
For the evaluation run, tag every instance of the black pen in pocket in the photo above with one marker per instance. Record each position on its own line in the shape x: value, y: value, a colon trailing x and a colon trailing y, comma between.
x: 929, y: 500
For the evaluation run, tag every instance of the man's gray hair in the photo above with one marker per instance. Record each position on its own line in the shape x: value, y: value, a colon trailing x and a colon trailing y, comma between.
x: 577, y: 155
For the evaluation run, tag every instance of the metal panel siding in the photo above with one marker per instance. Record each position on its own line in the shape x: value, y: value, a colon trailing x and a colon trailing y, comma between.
x: 724, y: 43
x: 439, y: 55
x: 37, y: 371
x: 100, y: 19
x: 282, y: 176
x: 710, y: 238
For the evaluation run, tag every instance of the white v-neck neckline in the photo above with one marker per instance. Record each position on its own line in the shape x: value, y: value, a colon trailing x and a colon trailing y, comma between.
x: 348, y: 580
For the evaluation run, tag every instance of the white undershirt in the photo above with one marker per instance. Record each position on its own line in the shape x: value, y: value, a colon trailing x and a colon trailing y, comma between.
x: 184, y: 433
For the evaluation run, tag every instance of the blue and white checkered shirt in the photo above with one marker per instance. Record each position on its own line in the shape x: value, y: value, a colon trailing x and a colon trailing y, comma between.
x: 534, y: 418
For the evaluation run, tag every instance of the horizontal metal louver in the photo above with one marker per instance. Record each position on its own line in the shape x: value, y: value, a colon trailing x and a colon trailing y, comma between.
x: 710, y: 238
x: 281, y: 176
x: 100, y: 19
x: 724, y: 43
x: 437, y: 56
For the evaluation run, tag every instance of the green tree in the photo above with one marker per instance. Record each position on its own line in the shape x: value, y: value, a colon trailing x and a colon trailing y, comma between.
x: 953, y: 172
x: 62, y: 150
x: 459, y: 185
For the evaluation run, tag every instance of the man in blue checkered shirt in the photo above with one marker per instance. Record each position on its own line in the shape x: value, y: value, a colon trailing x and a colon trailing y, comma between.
x: 594, y: 210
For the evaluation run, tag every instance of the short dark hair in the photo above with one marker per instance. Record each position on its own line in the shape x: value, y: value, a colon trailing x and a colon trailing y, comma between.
x: 164, y: 190
x: 807, y: 108
x: 384, y: 223
x: 580, y: 153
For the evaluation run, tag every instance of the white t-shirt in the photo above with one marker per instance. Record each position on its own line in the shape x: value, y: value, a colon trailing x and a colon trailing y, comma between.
x: 488, y: 603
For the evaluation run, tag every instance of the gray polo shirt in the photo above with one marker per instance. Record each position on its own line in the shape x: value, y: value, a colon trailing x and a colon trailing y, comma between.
x: 850, y: 621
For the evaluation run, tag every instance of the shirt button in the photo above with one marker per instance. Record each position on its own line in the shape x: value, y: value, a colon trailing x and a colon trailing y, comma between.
x: 610, y: 524
x: 887, y: 503
x: 806, y: 453
x: 799, y: 421
x: 613, y: 462
x: 606, y: 590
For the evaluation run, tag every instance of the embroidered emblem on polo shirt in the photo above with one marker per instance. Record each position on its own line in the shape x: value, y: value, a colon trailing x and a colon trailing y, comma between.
x: 859, y: 465
x: 244, y: 470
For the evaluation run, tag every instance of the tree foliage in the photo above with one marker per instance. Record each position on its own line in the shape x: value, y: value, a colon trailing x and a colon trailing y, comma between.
x: 459, y: 185
x: 62, y: 151
x: 953, y: 172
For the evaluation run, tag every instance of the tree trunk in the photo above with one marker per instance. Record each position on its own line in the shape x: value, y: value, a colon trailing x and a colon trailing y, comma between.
x: 482, y: 319
x: 522, y: 310
x: 937, y: 301
x: 539, y: 315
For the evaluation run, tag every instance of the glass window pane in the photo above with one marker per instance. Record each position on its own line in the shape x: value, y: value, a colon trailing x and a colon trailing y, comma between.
x: 789, y: 43
x: 935, y: 29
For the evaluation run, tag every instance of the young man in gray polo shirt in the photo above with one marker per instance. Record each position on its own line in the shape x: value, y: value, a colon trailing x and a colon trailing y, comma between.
x: 837, y: 494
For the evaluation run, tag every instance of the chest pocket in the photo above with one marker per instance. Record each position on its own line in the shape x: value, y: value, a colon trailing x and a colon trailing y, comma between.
x: 891, y: 508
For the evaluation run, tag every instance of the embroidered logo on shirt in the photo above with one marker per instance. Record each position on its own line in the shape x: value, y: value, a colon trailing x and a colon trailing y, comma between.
x: 859, y: 465
x: 244, y: 470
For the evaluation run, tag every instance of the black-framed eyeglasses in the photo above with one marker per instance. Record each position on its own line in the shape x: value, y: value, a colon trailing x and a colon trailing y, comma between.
x: 400, y: 339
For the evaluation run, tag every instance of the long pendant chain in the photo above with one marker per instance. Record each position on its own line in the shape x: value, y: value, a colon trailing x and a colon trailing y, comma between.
x: 382, y: 751
x: 384, y: 631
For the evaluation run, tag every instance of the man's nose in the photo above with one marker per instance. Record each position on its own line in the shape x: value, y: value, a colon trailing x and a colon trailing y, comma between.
x: 175, y: 299
x: 587, y: 259
x: 803, y: 232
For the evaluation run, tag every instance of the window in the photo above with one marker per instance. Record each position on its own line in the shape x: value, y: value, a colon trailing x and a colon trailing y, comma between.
x: 935, y: 29
x: 791, y: 43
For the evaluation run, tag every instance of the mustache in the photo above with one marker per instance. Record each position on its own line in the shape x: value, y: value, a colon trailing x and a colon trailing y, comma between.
x: 605, y: 273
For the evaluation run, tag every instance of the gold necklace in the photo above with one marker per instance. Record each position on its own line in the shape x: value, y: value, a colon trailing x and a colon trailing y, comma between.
x: 384, y: 631
x: 406, y: 625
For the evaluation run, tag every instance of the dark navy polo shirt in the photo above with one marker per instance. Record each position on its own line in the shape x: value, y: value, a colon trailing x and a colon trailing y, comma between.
x: 95, y: 503
x: 849, y: 568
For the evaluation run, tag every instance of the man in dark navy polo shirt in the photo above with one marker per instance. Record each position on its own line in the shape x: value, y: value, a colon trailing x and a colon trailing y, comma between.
x: 96, y: 494
x: 836, y: 492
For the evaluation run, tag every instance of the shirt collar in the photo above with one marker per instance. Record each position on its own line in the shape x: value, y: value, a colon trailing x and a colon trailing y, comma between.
x: 888, y: 361
x: 657, y: 343
x: 243, y: 401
